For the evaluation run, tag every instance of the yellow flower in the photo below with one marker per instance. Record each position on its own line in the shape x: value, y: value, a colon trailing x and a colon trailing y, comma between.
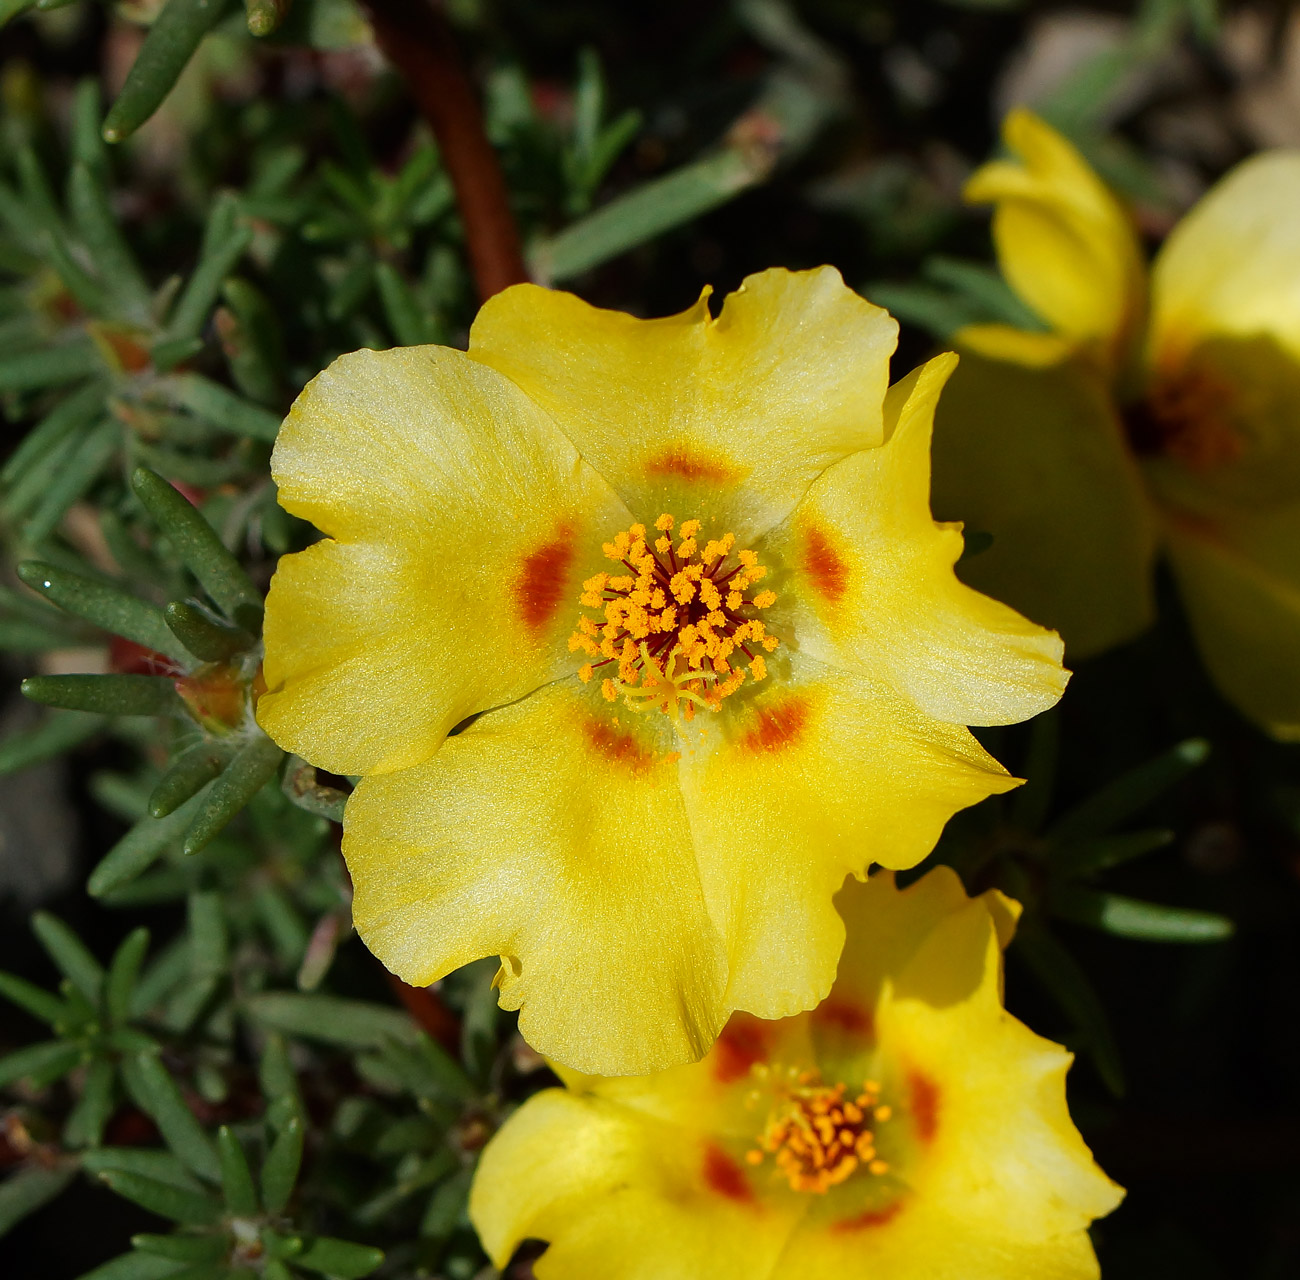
x: 684, y: 574
x: 1156, y: 414
x: 906, y: 1129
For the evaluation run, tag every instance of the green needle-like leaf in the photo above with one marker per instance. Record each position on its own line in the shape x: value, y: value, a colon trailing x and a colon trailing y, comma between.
x: 50, y: 366
x: 1128, y: 795
x: 36, y: 1000
x: 353, y: 1024
x: 224, y: 239
x: 209, y: 944
x: 205, y: 637
x: 223, y: 407
x: 134, y: 1266
x: 175, y: 35
x: 1059, y: 973
x: 75, y: 410
x: 446, y: 1206
x: 45, y: 1061
x: 140, y: 848
x: 189, y: 773
x: 280, y: 1168
x: 1132, y: 918
x: 339, y: 1258
x: 195, y: 541
x: 251, y: 769
x: 236, y: 1177
x: 123, y: 973
x: 154, y: 1163
x: 86, y: 1121
x: 278, y: 1079
x: 188, y: 1207
x: 107, y: 695
x: 104, y: 606
x: 11, y: 9
x: 409, y: 323
x: 77, y: 472
x: 206, y: 1248
x: 1093, y: 856
x: 251, y: 340
x: 54, y: 736
x: 22, y: 1193
x: 157, y: 1093
x: 69, y: 953
x: 102, y: 236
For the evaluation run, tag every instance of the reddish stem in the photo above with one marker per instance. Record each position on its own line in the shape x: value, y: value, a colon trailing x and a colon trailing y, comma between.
x: 416, y: 39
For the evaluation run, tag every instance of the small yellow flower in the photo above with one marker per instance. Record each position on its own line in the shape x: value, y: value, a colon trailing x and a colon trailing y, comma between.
x: 684, y: 574
x: 906, y: 1129
x: 1153, y: 414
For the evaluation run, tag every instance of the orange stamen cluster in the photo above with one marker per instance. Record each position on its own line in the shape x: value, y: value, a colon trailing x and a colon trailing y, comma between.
x: 678, y: 625
x: 819, y: 1136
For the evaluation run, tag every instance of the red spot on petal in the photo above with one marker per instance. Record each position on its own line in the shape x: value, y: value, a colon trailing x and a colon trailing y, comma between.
x: 690, y: 464
x: 725, y: 1176
x: 872, y: 1218
x: 824, y: 565
x: 543, y: 581
x: 845, y: 1017
x: 924, y: 1105
x: 618, y: 747
x: 779, y: 724
x: 742, y: 1043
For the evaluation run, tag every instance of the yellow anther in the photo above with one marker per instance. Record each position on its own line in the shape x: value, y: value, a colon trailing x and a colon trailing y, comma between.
x: 764, y: 600
x: 817, y: 1138
x: 673, y: 624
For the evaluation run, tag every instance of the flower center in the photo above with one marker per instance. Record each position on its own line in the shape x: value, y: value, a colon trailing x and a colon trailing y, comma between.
x: 677, y: 627
x: 1185, y: 416
x: 818, y: 1136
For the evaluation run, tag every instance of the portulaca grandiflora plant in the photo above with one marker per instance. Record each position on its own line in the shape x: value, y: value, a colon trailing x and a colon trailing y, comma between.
x: 549, y: 736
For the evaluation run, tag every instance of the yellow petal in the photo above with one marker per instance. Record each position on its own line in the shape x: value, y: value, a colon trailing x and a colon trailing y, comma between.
x: 721, y: 419
x: 1037, y: 459
x: 705, y: 1096
x: 465, y: 524
x: 998, y: 1148
x: 1231, y: 265
x: 873, y: 588
x: 620, y: 1197
x: 1018, y: 346
x: 1246, y: 619
x: 920, y: 1242
x: 1063, y: 241
x: 558, y: 840
x: 819, y: 774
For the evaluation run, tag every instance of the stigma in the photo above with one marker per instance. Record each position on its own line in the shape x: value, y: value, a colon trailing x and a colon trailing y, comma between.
x: 819, y: 1136
x: 676, y: 631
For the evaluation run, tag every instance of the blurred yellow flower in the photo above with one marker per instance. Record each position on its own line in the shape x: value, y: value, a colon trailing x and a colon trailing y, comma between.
x: 684, y: 574
x: 1151, y: 414
x: 906, y: 1129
